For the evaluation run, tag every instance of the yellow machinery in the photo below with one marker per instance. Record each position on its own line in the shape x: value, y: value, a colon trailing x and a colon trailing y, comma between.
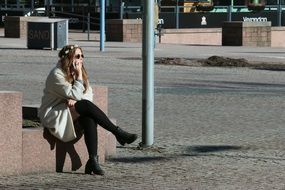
x: 190, y: 5
x: 198, y: 6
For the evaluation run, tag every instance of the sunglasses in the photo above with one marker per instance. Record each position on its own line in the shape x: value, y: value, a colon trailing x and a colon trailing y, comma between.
x: 78, y: 56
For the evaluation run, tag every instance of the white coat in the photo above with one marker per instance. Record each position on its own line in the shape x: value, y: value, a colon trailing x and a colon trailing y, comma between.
x: 54, y: 113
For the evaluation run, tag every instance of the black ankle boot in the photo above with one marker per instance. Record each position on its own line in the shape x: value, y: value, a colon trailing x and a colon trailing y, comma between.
x: 92, y: 165
x: 124, y: 137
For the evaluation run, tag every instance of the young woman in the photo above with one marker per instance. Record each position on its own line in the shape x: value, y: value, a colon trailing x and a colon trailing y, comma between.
x: 67, y: 91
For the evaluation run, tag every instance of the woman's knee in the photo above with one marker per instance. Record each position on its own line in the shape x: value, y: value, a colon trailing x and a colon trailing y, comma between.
x: 82, y: 105
x: 83, y: 102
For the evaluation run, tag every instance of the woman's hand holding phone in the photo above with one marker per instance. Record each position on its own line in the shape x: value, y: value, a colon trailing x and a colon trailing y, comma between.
x: 77, y: 66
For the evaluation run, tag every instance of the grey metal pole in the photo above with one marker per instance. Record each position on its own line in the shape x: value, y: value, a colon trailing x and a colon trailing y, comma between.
x: 279, y: 13
x: 122, y: 10
x: 48, y: 4
x: 148, y: 74
x: 102, y: 25
x: 177, y: 14
x: 32, y: 4
x: 88, y: 25
x: 230, y: 11
x: 72, y: 6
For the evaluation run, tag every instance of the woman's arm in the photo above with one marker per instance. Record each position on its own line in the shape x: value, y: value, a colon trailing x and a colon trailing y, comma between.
x: 57, y: 84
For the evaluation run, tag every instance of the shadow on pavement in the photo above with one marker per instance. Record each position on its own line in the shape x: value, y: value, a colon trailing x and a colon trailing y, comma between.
x: 212, y: 148
x: 271, y: 69
x: 194, y: 151
x: 138, y: 159
x: 165, y: 155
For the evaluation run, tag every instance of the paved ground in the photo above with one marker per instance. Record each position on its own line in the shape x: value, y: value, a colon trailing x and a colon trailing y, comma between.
x: 215, y: 128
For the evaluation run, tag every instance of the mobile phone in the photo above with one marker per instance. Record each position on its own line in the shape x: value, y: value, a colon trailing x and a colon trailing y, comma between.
x: 74, y: 66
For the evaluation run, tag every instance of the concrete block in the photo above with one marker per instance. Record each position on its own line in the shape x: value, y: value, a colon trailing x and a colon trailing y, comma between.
x: 117, y: 28
x: 16, y: 26
x: 38, y: 154
x: 239, y: 33
x: 12, y: 26
x: 11, y: 132
x: 43, y: 152
x: 100, y: 97
x: 110, y: 145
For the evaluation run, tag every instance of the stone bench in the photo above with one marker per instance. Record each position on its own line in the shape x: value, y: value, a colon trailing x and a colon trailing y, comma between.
x: 33, y: 149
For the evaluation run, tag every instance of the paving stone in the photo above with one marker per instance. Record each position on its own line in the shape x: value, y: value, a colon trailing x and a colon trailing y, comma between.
x: 214, y: 128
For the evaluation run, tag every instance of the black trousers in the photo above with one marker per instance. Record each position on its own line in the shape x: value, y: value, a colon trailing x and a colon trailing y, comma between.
x: 90, y: 117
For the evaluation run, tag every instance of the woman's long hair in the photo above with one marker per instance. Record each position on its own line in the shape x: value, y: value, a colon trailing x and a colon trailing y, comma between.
x: 66, y: 55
